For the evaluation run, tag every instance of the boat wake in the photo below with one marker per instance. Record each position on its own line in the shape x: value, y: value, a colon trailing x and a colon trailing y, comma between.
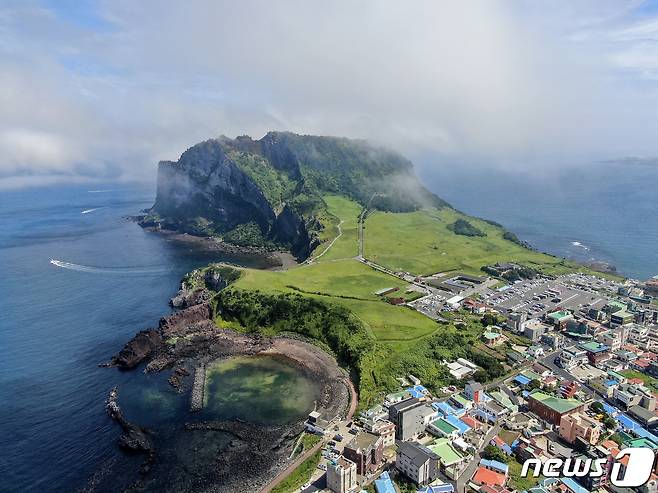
x: 87, y: 211
x: 109, y: 270
x: 579, y: 245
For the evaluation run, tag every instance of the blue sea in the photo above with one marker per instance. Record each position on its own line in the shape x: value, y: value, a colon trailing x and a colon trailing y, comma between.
x: 599, y: 212
x: 59, y: 322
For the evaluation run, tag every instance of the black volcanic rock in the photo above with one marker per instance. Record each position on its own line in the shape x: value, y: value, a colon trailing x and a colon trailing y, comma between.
x: 138, y: 349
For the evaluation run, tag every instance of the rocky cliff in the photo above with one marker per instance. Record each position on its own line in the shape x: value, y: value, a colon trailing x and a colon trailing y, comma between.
x: 268, y: 192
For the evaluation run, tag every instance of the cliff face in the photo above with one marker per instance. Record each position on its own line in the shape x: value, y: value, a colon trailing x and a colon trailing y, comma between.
x: 268, y: 192
x: 205, y: 183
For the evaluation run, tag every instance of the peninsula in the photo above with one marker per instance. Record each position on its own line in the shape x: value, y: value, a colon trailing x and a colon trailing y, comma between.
x: 408, y: 296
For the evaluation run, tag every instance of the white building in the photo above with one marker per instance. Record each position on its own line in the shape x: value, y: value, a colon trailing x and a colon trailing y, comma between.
x: 341, y: 475
x: 572, y: 356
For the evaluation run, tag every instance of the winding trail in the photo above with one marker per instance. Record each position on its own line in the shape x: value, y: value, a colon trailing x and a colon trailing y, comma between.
x: 340, y: 233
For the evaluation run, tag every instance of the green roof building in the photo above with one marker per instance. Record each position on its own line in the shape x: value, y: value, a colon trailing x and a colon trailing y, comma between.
x: 551, y: 408
x: 442, y: 428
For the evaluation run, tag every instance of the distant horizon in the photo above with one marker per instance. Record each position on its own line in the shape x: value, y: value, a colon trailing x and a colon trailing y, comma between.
x: 114, y: 88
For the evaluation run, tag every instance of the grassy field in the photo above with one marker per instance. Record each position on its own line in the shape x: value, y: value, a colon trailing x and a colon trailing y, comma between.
x: 353, y: 285
x: 648, y: 380
x: 347, y: 246
x: 520, y: 483
x: 300, y: 475
x: 420, y: 242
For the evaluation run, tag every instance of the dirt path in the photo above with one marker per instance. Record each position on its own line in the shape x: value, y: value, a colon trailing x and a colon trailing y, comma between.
x: 340, y: 233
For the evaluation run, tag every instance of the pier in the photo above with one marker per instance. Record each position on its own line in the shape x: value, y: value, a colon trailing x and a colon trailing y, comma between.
x: 198, y: 388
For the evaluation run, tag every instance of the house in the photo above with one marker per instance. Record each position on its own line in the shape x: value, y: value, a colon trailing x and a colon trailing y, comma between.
x: 474, y: 391
x: 316, y: 423
x: 417, y: 462
x: 384, y: 429
x: 496, y: 466
x: 341, y: 475
x: 396, y: 397
x: 571, y: 356
x: 643, y: 415
x: 579, y: 425
x: 527, y: 448
x: 375, y: 413
x: 437, y: 488
x: 559, y: 319
x: 621, y: 317
x: 634, y: 395
x: 493, y: 337
x: 366, y: 450
x: 535, y: 351
x: 501, y: 445
x: 596, y: 351
x: 461, y: 402
x: 410, y: 417
x: 487, y: 477
x: 550, y: 408
x: 568, y: 389
x: 514, y: 357
x: 614, y: 338
x: 490, y: 411
x: 384, y: 484
x: 442, y: 428
x: 505, y: 401
x: 451, y: 461
x: 534, y: 329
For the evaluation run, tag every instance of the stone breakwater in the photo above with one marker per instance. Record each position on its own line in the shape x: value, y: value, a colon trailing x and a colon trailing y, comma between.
x: 198, y: 388
x: 133, y: 437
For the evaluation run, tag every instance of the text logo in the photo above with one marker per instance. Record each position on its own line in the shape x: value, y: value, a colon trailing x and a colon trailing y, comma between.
x: 627, y: 473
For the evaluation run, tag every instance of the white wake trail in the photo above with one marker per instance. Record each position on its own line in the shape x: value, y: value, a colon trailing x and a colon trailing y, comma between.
x: 109, y: 270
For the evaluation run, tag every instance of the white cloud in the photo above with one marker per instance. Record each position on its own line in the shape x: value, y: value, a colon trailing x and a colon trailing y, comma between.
x: 505, y: 84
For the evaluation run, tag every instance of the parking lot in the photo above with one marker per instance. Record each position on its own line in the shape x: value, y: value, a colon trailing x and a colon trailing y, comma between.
x: 541, y: 296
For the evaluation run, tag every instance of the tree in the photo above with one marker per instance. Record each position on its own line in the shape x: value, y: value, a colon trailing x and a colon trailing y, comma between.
x: 597, y: 407
x: 534, y: 384
x: 489, y: 319
x: 491, y: 452
x: 610, y: 423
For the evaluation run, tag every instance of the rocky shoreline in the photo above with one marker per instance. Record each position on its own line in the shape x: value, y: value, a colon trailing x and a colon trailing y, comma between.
x: 275, y: 259
x: 187, y: 340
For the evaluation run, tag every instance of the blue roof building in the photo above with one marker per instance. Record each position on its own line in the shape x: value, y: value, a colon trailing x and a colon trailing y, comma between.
x: 455, y: 421
x: 439, y: 488
x: 384, y: 484
x: 627, y: 423
x: 495, y: 465
x: 521, y: 379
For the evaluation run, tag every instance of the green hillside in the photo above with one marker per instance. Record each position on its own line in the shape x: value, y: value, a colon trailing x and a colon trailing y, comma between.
x: 391, y: 339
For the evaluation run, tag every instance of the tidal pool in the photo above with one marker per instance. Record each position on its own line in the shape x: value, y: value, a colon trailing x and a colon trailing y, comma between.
x: 258, y: 389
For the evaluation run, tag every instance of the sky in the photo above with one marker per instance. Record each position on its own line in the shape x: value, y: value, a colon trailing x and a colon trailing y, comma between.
x: 95, y: 90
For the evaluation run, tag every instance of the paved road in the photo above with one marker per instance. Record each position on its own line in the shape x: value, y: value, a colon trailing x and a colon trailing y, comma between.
x: 467, y: 473
x: 292, y: 466
x: 547, y: 361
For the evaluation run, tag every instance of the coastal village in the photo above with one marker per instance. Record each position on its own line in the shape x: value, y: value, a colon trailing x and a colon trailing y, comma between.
x: 582, y: 355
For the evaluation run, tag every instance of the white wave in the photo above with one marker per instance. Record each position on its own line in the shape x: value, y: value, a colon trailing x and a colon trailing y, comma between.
x: 109, y: 270
x: 87, y: 211
x: 579, y: 245
x: 99, y: 191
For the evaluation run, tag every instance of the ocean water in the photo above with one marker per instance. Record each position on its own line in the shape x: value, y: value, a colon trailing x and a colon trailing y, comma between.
x: 600, y: 212
x: 57, y: 323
